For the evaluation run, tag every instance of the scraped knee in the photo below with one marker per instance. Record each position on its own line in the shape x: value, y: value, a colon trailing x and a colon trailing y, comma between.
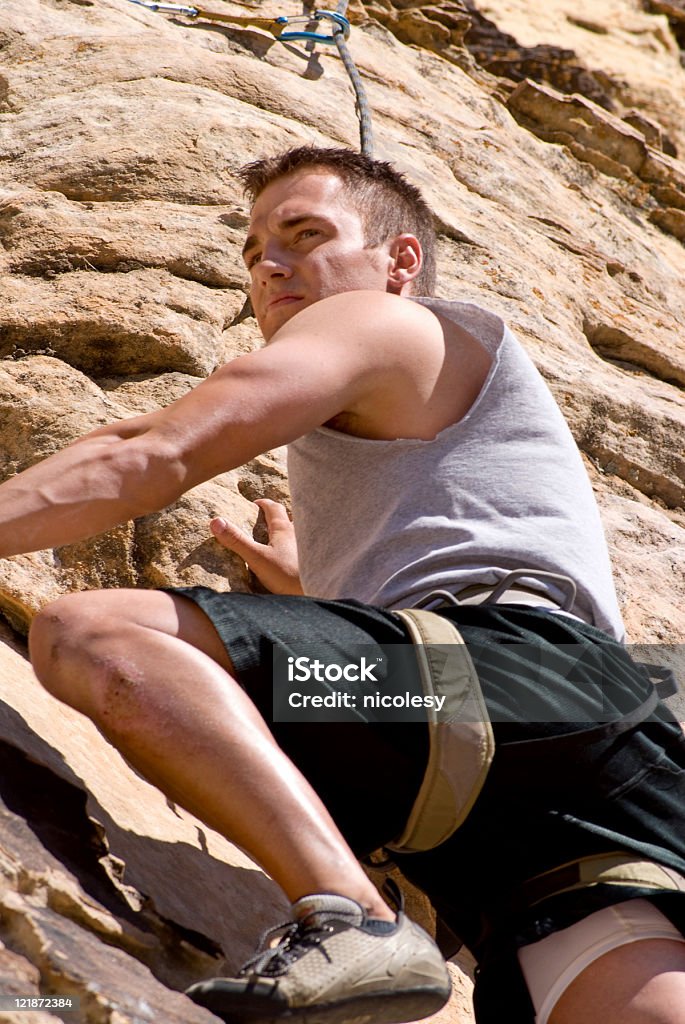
x: 66, y: 645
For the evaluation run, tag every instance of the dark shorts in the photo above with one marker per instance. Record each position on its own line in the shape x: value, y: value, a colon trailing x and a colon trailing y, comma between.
x: 548, y: 799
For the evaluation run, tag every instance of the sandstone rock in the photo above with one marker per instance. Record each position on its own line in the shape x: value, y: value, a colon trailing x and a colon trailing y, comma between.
x: 652, y: 130
x: 44, y: 405
x: 501, y: 54
x: 45, y: 235
x: 660, y: 168
x: 569, y: 119
x: 675, y: 12
x: 649, y: 549
x: 617, y: 343
x: 115, y: 988
x: 436, y: 27
x: 20, y: 978
x: 634, y: 49
x: 608, y: 143
x: 142, y: 321
x: 670, y: 220
x: 672, y: 8
x: 171, y: 124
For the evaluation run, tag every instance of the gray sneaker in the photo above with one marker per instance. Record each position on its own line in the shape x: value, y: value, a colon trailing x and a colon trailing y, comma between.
x: 333, y: 965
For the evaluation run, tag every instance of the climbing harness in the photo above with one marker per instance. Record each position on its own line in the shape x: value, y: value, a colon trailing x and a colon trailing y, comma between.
x: 280, y: 28
x: 616, y: 868
x: 462, y: 743
x: 507, y: 591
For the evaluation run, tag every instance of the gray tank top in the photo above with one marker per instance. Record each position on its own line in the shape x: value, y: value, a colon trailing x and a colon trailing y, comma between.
x: 386, y: 522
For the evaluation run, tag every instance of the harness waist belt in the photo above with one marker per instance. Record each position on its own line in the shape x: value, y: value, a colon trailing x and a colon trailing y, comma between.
x: 603, y: 869
x: 516, y: 594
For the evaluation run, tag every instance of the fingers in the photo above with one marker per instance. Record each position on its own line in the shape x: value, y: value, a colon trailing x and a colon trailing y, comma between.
x: 275, y: 514
x: 235, y: 539
x: 275, y: 563
x: 232, y: 537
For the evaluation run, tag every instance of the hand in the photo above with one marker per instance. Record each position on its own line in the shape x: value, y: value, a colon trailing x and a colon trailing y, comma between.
x: 274, y: 564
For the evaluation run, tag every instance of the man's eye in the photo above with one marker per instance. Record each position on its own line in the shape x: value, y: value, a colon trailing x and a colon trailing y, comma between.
x: 306, y: 233
x: 253, y: 259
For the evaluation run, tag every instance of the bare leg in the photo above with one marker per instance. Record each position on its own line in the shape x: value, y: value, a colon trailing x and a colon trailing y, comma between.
x: 150, y: 670
x: 640, y: 983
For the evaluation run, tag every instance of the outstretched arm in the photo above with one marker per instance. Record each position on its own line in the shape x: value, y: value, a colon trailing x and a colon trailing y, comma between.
x: 88, y: 487
x: 327, y: 359
x: 140, y: 465
x: 274, y: 564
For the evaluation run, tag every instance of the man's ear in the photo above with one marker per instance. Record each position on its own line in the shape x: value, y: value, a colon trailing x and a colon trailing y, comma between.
x: 406, y: 260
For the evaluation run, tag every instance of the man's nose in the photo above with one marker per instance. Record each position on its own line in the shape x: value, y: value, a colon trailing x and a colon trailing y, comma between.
x: 273, y: 263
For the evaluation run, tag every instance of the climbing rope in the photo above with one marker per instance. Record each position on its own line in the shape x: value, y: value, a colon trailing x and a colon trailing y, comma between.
x: 279, y: 27
x: 361, y: 102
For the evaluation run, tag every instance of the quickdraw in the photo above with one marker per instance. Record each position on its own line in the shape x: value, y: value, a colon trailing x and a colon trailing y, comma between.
x: 278, y: 27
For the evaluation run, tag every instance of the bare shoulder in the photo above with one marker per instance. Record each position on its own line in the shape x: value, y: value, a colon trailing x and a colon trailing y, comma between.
x: 417, y: 372
x: 357, y: 317
x: 366, y: 363
x: 396, y: 328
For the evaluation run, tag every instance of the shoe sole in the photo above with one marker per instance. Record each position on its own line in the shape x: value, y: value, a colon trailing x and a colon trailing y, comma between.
x: 380, y: 1008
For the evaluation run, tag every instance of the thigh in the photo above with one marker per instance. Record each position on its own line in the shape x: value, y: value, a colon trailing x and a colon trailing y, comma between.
x: 641, y: 983
x: 621, y: 965
x: 367, y: 775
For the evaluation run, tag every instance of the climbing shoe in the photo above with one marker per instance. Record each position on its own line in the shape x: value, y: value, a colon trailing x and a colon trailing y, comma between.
x: 333, y: 965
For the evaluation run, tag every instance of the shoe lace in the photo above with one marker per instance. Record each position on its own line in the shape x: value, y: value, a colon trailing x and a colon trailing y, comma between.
x: 296, y: 939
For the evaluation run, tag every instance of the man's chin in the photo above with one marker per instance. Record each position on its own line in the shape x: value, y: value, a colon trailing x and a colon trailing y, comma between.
x: 273, y: 319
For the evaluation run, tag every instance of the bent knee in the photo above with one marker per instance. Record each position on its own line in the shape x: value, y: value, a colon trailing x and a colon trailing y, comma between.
x: 64, y: 641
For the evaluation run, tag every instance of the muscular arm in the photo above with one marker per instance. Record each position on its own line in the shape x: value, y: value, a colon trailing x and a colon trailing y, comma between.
x: 327, y: 359
x: 88, y: 487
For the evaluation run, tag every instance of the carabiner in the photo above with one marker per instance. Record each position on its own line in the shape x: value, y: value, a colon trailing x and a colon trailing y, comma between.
x: 338, y: 19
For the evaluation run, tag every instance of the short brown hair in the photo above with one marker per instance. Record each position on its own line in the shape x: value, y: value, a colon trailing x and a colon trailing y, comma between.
x: 387, y: 203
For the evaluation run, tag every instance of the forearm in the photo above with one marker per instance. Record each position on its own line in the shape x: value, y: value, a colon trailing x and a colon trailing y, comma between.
x: 91, y: 486
x: 256, y: 402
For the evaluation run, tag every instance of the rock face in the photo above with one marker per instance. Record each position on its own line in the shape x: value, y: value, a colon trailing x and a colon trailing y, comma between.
x: 547, y: 139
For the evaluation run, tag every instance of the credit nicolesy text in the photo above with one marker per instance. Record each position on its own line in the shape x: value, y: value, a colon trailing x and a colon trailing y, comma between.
x: 360, y: 672
x: 369, y: 700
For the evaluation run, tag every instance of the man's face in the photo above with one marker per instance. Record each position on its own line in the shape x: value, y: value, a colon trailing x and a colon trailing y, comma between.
x: 305, y: 242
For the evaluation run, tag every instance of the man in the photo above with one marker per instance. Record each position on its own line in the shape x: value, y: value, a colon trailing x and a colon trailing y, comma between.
x: 425, y: 453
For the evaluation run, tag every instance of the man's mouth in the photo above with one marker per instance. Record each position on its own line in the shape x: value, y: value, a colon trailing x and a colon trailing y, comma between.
x: 282, y: 300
